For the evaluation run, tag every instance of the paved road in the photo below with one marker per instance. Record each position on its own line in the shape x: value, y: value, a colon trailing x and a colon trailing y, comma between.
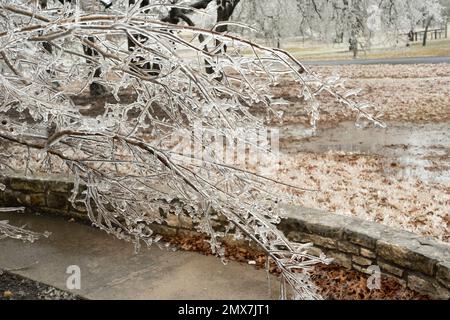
x: 417, y: 60
x: 111, y: 270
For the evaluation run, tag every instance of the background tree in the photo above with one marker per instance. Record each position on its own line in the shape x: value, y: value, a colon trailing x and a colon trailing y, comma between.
x: 353, y: 21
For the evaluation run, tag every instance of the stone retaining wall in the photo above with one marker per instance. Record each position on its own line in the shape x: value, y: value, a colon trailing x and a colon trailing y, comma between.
x: 420, y: 263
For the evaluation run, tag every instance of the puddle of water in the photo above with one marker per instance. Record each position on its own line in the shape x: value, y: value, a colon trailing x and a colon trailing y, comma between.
x: 421, y: 150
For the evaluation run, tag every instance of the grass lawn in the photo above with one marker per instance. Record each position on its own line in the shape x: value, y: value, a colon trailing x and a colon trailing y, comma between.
x: 434, y: 48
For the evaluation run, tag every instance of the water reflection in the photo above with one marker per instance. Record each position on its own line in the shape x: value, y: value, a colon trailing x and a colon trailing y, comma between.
x: 408, y: 150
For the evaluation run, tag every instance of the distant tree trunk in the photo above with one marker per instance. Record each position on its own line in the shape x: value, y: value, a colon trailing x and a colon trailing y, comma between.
x: 446, y: 28
x: 427, y: 26
x: 225, y: 9
x: 354, y: 44
x: 355, y: 48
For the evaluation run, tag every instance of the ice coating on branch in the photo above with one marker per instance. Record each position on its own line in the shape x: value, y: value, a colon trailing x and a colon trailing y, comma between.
x: 179, y: 82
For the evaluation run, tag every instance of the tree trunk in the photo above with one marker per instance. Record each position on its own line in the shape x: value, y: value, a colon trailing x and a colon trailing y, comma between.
x: 355, y: 48
x: 427, y: 26
x: 354, y: 45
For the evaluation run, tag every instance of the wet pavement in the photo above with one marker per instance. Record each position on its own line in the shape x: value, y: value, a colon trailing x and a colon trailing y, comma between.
x: 110, y: 268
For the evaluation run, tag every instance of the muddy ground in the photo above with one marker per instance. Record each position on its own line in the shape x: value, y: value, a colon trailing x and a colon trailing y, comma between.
x: 403, y: 93
x: 399, y: 176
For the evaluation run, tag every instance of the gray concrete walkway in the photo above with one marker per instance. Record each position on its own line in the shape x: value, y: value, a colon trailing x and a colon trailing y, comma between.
x: 111, y: 270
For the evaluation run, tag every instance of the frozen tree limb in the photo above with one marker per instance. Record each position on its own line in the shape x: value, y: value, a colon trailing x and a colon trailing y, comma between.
x: 124, y: 156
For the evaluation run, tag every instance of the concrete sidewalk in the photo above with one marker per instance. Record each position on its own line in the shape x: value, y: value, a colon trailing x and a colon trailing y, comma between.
x: 111, y: 270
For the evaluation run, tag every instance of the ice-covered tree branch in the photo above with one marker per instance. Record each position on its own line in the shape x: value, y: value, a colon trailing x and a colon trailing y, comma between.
x: 124, y: 155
